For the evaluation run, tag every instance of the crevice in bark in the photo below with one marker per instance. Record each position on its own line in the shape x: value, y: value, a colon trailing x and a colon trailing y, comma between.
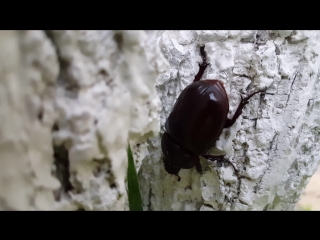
x: 198, y: 205
x: 272, y: 141
x: 262, y: 101
x: 239, y: 187
x: 105, y: 165
x: 61, y: 153
x: 208, y: 205
x: 246, y: 159
x: 277, y: 50
x: 267, y: 207
x: 242, y: 202
x: 290, y: 40
x: 149, y: 197
x: 257, y: 186
x: 118, y: 38
x: 262, y: 37
x: 40, y: 114
x: 61, y: 161
x: 294, y: 79
x: 255, y: 122
x: 276, y: 201
x: 64, y: 79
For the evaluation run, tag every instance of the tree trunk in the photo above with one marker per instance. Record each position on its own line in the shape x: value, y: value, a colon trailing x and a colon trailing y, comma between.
x: 71, y: 100
x: 275, y: 143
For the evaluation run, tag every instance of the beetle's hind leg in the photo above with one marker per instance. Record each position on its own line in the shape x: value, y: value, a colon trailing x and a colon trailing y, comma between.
x: 219, y: 158
x: 203, y: 65
x: 238, y: 112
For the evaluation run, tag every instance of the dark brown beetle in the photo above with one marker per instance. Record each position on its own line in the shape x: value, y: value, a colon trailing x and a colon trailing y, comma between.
x: 196, y: 122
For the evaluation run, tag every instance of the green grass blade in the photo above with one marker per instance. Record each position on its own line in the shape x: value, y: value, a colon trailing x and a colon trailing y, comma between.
x: 135, y: 200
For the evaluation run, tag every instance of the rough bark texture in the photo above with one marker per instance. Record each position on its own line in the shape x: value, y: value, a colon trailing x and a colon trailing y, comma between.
x: 71, y: 100
x: 275, y: 143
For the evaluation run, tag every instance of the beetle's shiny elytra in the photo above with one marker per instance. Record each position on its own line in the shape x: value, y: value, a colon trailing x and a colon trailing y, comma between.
x: 196, y: 122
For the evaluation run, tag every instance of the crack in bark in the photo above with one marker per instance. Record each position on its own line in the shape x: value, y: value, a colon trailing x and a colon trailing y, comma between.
x: 64, y: 78
x: 150, y: 195
x: 208, y: 205
x: 105, y: 164
x: 61, y: 161
x: 272, y: 141
x: 239, y: 187
x: 242, y: 202
x: 289, y: 94
x: 71, y: 86
x: 61, y: 153
x: 118, y: 38
x: 257, y: 187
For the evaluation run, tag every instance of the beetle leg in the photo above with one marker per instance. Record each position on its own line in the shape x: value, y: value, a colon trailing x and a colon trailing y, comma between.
x: 179, y: 178
x: 238, y: 112
x: 203, y: 65
x: 198, y: 166
x: 218, y: 158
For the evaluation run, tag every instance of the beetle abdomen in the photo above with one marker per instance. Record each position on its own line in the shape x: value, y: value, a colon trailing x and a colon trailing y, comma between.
x: 199, y: 116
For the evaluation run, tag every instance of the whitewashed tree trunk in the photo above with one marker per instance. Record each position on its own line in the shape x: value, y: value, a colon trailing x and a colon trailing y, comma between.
x: 71, y: 100
x: 275, y: 143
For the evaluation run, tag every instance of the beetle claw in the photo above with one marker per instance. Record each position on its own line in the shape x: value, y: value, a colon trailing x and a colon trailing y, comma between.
x: 203, y: 64
x: 204, y: 57
x: 179, y: 178
x: 242, y: 99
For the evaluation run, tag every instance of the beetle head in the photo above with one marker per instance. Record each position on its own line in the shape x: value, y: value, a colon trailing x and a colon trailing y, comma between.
x: 175, y: 157
x: 171, y: 168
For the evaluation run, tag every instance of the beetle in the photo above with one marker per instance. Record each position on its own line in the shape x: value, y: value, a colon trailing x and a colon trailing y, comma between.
x: 196, y: 121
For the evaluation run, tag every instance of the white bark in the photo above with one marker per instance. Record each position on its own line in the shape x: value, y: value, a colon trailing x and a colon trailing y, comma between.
x: 275, y: 143
x: 81, y: 95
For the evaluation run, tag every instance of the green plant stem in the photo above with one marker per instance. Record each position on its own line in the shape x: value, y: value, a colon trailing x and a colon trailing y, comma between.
x: 134, y: 195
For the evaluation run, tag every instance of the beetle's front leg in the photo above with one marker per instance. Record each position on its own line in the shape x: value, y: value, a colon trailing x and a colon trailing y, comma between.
x: 198, y: 166
x: 203, y: 65
x: 238, y: 112
x: 179, y: 178
x: 218, y: 158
